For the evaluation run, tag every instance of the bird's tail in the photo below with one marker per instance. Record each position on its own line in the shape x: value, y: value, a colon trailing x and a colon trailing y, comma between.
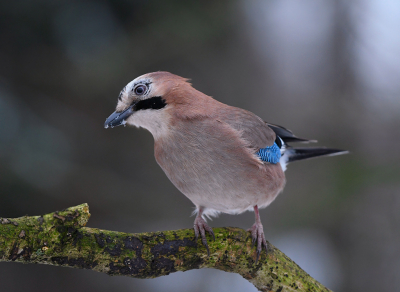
x: 295, y: 154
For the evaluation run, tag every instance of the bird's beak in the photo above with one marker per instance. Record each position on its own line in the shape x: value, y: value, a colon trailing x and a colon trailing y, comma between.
x: 118, y: 118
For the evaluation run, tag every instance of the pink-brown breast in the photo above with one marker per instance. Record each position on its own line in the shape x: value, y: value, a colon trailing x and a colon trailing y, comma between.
x: 209, y: 162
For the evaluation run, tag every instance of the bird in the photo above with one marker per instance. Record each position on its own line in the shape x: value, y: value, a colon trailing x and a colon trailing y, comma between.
x: 223, y: 158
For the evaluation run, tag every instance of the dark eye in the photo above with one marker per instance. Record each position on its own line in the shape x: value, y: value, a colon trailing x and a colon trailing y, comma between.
x: 140, y: 89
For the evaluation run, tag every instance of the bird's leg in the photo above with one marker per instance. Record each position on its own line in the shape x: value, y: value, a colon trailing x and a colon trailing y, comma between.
x: 200, y: 228
x: 257, y: 234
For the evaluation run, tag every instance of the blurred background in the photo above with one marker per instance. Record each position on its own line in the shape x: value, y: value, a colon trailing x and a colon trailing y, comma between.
x: 327, y: 70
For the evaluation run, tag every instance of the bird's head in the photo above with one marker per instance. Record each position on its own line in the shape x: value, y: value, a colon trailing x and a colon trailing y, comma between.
x: 147, y: 100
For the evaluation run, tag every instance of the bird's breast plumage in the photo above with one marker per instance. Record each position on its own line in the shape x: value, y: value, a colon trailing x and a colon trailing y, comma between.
x: 209, y: 161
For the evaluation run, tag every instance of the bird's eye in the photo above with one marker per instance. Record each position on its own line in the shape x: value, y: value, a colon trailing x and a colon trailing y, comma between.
x: 140, y: 89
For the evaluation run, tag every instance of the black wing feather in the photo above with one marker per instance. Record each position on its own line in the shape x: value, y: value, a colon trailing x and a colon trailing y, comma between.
x: 287, y: 135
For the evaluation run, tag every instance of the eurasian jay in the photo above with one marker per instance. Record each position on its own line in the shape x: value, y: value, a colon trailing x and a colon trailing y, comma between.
x: 223, y: 158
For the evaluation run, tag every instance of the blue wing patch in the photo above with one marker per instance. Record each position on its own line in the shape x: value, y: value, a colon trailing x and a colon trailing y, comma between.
x: 271, y: 154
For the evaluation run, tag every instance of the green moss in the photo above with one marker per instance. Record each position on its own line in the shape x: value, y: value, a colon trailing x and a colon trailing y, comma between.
x: 60, y: 238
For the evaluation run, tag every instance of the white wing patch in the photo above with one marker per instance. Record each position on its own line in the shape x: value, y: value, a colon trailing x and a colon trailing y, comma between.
x: 284, y: 155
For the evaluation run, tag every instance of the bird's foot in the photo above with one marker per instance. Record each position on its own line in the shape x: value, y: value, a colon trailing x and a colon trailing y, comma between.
x: 257, y: 234
x: 200, y: 228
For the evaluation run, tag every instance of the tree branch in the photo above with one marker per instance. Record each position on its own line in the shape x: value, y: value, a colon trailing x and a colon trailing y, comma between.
x: 61, y: 239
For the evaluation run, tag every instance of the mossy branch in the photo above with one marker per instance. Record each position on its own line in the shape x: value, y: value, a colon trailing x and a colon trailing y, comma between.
x: 61, y: 239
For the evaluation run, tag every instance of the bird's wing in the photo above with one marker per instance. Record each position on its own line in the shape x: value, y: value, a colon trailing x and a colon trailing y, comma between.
x: 287, y: 135
x: 258, y: 133
x: 252, y: 128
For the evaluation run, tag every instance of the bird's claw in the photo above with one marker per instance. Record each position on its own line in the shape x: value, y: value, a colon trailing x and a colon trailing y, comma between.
x: 200, y: 228
x: 257, y: 234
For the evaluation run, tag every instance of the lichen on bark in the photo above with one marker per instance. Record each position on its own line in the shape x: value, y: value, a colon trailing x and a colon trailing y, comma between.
x: 61, y: 239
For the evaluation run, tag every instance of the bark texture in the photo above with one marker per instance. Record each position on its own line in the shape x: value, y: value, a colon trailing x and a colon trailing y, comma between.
x: 61, y: 239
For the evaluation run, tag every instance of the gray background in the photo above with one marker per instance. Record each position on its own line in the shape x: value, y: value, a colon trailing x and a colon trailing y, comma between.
x: 328, y: 70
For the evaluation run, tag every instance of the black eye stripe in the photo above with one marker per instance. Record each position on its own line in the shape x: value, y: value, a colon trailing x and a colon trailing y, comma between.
x: 156, y: 102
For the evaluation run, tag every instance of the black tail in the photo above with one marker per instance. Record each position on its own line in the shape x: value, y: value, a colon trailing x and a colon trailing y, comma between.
x: 295, y: 154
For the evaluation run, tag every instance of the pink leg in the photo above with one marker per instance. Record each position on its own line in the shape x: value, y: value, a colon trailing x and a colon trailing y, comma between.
x: 257, y: 233
x: 200, y: 228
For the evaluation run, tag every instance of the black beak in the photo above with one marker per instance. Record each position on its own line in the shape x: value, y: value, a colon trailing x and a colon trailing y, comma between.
x: 118, y: 118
